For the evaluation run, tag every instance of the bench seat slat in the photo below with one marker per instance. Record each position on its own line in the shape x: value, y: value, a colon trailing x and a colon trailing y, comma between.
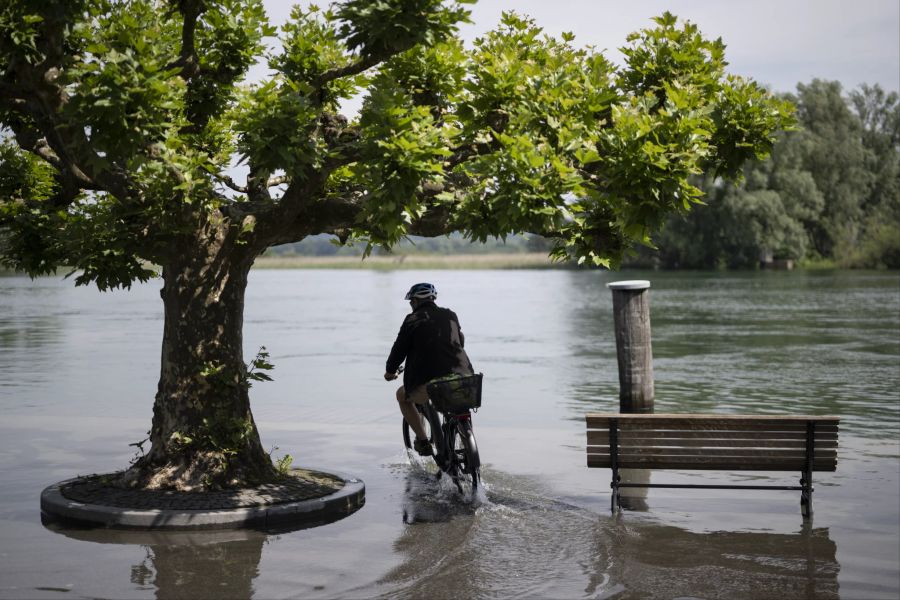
x: 714, y: 464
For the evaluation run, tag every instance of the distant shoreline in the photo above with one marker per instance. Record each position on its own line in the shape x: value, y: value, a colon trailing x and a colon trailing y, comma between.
x: 534, y: 260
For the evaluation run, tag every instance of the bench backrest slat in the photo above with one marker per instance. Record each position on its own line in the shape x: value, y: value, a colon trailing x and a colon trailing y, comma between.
x: 601, y: 438
x: 720, y: 442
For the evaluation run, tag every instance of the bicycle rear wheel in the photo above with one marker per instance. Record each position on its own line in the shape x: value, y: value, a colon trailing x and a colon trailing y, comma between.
x: 465, y: 468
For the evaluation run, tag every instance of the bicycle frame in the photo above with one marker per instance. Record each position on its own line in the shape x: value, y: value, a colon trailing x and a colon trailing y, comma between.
x: 462, y: 463
x: 462, y: 424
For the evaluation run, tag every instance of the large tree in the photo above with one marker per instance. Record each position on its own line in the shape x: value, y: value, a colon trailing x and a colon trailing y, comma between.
x: 124, y: 119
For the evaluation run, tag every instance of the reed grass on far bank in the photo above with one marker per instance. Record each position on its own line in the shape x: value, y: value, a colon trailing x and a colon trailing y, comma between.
x: 535, y: 260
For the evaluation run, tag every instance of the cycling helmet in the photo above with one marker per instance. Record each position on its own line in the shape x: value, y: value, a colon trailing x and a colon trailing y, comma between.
x: 422, y: 291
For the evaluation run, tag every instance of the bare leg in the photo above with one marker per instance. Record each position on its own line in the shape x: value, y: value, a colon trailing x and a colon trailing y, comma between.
x: 411, y: 414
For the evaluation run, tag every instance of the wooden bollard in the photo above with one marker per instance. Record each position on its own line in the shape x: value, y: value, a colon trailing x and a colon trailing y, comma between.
x: 631, y: 314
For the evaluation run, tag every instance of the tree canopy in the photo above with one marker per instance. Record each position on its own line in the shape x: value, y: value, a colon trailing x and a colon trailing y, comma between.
x: 126, y: 118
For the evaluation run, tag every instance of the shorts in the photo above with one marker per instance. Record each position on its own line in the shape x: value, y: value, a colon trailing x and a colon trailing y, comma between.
x: 418, y: 395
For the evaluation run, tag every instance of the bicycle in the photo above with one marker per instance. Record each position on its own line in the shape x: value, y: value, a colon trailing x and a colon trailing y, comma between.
x: 448, y: 421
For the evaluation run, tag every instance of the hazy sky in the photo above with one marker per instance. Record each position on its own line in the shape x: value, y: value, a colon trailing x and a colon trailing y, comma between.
x: 776, y: 42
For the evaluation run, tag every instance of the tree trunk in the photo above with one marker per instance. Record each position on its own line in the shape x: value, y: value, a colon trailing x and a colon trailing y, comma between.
x: 203, y: 434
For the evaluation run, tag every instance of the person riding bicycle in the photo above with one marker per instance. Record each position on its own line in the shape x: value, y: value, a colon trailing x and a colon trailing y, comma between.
x: 432, y: 343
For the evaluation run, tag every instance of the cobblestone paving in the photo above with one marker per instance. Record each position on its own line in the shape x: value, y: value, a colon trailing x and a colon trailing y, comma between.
x: 301, y: 484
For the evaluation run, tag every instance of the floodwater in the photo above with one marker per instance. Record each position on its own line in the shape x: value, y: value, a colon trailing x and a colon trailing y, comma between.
x: 78, y: 373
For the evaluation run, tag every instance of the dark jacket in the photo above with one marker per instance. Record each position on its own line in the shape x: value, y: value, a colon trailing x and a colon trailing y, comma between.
x: 431, y: 341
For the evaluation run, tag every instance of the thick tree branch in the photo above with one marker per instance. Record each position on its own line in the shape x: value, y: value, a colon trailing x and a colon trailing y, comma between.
x: 355, y: 68
x: 466, y: 152
x: 187, y: 60
x: 328, y: 215
x: 70, y: 178
x: 435, y: 222
x: 231, y: 184
x: 243, y: 189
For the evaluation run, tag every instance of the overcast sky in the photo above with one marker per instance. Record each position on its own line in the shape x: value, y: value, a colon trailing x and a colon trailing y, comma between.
x: 776, y: 42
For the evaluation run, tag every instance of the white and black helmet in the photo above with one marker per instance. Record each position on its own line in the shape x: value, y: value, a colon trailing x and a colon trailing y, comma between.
x: 423, y: 291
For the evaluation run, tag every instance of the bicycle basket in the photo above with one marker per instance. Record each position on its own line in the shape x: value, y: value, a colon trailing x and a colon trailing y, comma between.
x: 455, y: 393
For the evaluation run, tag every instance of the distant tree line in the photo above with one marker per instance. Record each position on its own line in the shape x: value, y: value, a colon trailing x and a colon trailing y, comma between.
x: 328, y: 245
x: 829, y: 193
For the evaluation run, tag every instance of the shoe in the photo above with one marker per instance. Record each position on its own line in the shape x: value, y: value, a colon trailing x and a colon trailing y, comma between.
x: 423, y: 447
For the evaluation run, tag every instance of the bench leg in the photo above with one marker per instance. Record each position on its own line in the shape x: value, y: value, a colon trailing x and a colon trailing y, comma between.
x: 806, y: 474
x: 806, y: 508
x: 615, y: 501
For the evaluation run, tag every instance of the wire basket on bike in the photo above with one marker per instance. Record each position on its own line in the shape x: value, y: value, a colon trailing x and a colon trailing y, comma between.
x: 455, y: 393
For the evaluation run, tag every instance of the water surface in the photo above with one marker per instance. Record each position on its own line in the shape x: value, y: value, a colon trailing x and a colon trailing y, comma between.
x: 78, y: 373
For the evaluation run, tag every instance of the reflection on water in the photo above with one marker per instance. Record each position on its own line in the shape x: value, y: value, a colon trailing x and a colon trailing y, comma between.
x: 520, y: 543
x: 223, y: 570
x: 221, y: 564
x: 667, y: 562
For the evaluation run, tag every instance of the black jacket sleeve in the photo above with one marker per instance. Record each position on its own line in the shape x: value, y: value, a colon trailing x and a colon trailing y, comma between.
x: 400, y: 349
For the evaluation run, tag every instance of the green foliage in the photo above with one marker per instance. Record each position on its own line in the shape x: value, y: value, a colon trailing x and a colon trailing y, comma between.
x: 283, y: 465
x: 403, y: 150
x: 830, y: 192
x: 257, y: 366
x: 225, y: 435
x: 538, y: 103
x: 382, y: 28
x: 230, y: 36
x: 24, y: 26
x: 668, y: 52
x: 26, y: 225
x: 37, y: 237
x: 744, y: 120
x: 311, y: 46
x: 121, y: 87
x: 218, y: 433
x: 219, y: 374
x: 275, y: 127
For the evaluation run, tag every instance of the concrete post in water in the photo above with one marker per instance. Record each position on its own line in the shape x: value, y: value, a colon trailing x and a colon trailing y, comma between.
x: 631, y: 314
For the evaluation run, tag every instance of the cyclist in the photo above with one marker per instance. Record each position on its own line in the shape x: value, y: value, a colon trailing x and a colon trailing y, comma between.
x: 431, y: 342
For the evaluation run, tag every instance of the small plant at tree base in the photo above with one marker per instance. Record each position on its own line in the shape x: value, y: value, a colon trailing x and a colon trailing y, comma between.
x: 139, y: 451
x: 257, y: 367
x: 283, y: 465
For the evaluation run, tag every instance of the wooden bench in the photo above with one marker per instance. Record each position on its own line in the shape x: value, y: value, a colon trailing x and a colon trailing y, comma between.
x: 713, y: 442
